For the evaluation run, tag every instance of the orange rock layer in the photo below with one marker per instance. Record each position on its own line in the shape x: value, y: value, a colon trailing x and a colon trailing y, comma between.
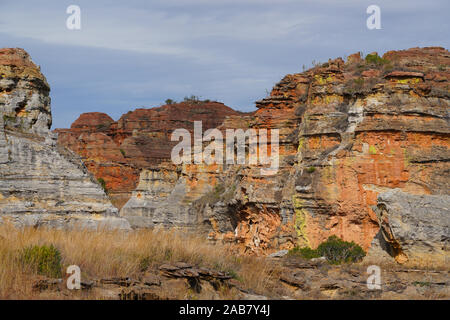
x: 348, y: 131
x: 116, y: 151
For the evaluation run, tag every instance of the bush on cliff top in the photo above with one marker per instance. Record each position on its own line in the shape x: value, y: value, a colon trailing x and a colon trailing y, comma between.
x: 375, y: 59
x: 334, y: 249
x: 192, y: 99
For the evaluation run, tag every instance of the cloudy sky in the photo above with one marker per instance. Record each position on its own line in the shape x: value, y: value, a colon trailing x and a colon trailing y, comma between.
x: 138, y: 53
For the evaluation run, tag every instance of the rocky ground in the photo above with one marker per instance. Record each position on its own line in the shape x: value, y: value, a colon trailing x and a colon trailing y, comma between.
x: 292, y: 278
x: 170, y: 264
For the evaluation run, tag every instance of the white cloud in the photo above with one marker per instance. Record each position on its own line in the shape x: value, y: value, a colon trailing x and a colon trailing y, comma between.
x: 158, y: 30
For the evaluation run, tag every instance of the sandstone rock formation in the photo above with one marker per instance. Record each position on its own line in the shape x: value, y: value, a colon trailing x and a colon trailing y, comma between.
x: 117, y: 151
x: 349, y: 130
x: 41, y: 183
x: 415, y: 228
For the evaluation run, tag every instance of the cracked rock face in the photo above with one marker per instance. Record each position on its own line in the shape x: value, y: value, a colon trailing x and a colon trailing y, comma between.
x: 415, y: 228
x: 41, y: 183
x: 349, y: 130
x: 24, y: 99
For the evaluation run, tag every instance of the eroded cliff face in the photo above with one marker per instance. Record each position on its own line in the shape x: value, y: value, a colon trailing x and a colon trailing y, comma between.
x: 364, y: 127
x: 117, y: 151
x: 41, y: 183
x: 369, y: 127
x: 349, y: 130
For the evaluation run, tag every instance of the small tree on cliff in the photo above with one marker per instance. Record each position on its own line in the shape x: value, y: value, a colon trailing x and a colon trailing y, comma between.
x: 192, y: 99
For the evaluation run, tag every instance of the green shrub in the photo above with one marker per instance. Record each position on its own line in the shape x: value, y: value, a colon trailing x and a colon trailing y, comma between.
x: 388, y: 67
x: 168, y: 253
x: 170, y: 101
x: 358, y: 82
x: 46, y: 260
x: 360, y: 85
x: 122, y: 152
x: 338, y: 251
x: 335, y: 250
x: 375, y: 59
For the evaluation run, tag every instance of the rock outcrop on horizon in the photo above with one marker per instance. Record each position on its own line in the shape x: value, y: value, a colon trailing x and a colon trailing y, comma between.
x: 349, y: 131
x: 117, y: 151
x: 41, y: 183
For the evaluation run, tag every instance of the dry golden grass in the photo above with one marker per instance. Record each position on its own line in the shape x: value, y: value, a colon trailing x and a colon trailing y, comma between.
x: 422, y: 263
x: 104, y: 254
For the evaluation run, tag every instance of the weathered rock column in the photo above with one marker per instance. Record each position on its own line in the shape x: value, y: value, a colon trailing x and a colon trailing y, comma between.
x: 41, y: 184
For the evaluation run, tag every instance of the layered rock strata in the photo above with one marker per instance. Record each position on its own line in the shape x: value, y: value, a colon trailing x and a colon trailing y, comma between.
x: 414, y: 228
x: 41, y: 183
x: 348, y: 131
x: 116, y: 152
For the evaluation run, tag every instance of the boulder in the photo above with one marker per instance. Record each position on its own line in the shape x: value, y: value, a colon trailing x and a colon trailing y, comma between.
x: 415, y: 228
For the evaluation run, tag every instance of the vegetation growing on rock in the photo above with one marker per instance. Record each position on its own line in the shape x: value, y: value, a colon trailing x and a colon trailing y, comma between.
x: 334, y: 249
